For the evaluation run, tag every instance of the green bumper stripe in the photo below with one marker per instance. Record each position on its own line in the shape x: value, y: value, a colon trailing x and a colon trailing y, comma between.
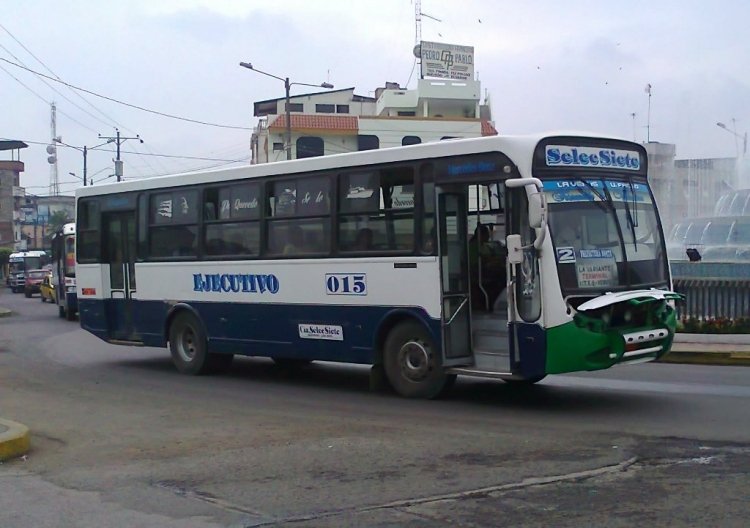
x: 572, y: 348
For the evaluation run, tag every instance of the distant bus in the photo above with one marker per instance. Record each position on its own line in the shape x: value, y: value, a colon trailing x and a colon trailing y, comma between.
x: 21, y: 262
x: 64, y: 270
x: 502, y: 257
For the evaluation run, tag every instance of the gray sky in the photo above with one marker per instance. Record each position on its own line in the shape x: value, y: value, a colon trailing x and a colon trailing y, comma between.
x: 547, y: 65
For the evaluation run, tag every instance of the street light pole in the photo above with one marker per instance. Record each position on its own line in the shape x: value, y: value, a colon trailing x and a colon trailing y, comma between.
x: 737, y: 136
x: 288, y: 112
x: 85, y: 151
x: 288, y: 121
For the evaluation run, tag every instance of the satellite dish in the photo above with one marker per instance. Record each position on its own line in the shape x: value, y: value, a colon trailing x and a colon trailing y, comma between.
x: 417, y: 51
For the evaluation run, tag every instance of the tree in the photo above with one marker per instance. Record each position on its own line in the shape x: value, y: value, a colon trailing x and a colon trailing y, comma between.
x: 4, y: 255
x: 57, y: 220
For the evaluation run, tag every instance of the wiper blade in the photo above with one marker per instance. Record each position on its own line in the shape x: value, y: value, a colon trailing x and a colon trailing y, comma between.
x: 602, y: 197
x: 629, y: 215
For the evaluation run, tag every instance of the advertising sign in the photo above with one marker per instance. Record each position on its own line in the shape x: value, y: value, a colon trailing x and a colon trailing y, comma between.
x: 447, y: 61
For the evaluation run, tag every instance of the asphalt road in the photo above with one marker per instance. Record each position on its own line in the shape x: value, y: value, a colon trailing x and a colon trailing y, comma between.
x: 119, y: 438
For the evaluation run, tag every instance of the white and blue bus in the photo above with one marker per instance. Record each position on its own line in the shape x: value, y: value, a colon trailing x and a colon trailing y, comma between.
x: 20, y: 263
x: 64, y: 270
x: 499, y: 257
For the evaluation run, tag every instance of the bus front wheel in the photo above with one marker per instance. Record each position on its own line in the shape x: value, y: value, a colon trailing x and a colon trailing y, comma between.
x: 412, y: 363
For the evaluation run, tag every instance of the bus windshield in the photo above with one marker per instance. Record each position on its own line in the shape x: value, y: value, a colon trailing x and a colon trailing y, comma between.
x: 20, y: 264
x: 606, y: 234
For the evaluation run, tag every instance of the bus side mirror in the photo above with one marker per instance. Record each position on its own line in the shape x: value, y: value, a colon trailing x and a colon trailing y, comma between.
x: 536, y: 210
x: 515, y: 249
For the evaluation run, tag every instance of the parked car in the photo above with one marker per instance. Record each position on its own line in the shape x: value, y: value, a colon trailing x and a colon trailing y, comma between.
x: 33, y: 282
x: 47, y: 289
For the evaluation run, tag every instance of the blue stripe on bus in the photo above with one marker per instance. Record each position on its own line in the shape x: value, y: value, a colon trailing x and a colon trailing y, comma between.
x: 258, y: 329
x: 533, y: 339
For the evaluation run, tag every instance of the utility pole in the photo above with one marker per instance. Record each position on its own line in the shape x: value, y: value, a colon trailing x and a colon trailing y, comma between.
x: 119, y: 140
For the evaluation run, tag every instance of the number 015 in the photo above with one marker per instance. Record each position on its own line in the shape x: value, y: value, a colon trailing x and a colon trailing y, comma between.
x: 346, y: 284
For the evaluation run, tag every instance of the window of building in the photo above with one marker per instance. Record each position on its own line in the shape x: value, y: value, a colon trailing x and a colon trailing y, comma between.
x: 411, y: 140
x: 325, y: 108
x: 277, y: 146
x: 367, y: 142
x: 299, y: 217
x: 309, y: 147
x: 296, y: 107
x: 342, y: 109
x: 406, y: 113
x: 376, y: 210
x: 173, y: 221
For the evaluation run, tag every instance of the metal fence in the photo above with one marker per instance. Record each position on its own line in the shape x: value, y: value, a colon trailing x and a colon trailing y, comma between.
x: 712, y: 290
x: 712, y: 298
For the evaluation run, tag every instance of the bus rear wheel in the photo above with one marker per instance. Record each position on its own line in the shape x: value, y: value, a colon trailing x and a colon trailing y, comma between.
x: 412, y: 363
x: 189, y: 347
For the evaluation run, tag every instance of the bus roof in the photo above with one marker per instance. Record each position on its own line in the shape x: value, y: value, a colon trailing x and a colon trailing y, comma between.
x: 519, y: 149
x: 23, y: 254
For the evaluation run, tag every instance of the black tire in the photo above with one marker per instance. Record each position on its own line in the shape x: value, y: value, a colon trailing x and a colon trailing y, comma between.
x: 27, y: 294
x: 70, y: 315
x: 60, y: 311
x: 189, y: 348
x: 412, y: 363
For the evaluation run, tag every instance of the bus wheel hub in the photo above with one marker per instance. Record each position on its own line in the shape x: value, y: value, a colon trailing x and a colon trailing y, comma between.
x: 414, y: 361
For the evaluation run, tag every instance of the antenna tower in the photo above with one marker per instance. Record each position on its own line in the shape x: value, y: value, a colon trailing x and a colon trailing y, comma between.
x: 54, y: 181
x: 417, y: 22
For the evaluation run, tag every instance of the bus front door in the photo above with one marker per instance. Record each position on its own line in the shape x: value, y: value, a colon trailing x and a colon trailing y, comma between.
x: 454, y: 278
x: 120, y: 251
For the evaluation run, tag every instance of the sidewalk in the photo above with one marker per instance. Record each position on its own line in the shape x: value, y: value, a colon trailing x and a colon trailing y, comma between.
x: 14, y: 439
x: 710, y: 349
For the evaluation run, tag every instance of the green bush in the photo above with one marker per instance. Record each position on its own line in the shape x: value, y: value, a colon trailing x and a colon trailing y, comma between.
x: 715, y: 325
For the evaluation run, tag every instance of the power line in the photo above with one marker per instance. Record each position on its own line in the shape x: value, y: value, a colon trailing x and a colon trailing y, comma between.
x: 109, y: 118
x: 58, y: 92
x: 122, y: 102
x: 129, y: 152
x: 43, y: 99
x: 56, y: 76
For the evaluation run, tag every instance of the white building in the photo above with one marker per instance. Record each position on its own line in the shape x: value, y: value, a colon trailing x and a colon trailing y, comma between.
x: 338, y: 121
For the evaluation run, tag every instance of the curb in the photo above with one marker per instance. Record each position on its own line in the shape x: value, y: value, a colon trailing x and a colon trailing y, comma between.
x: 707, y: 358
x: 14, y: 439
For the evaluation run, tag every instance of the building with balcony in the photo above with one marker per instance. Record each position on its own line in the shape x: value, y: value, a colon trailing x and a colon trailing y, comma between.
x: 11, y: 193
x: 339, y: 121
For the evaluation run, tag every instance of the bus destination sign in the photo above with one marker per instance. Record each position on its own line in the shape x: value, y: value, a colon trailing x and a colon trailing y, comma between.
x: 567, y: 156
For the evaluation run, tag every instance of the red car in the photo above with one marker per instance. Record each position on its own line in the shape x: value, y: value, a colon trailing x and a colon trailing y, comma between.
x: 33, y: 282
